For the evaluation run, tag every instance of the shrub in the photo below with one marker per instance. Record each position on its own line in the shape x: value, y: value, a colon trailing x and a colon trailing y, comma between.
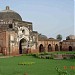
x: 60, y: 72
x: 72, y: 57
x: 26, y: 63
x: 43, y: 56
x: 39, y: 57
x: 36, y: 55
x: 51, y: 57
x: 64, y: 58
x: 47, y: 57
x: 46, y: 53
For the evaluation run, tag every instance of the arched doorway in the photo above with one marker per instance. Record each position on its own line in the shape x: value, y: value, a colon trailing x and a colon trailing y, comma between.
x: 49, y: 48
x: 41, y: 48
x: 22, y: 45
x: 60, y: 46
x: 56, y: 47
x: 70, y: 48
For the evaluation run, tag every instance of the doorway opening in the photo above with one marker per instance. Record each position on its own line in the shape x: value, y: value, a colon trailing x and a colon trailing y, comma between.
x: 49, y: 48
x: 41, y: 48
x: 56, y: 47
x: 22, y: 45
x: 70, y: 48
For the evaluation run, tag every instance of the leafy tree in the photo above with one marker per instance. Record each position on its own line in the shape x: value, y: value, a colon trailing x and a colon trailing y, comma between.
x: 59, y: 37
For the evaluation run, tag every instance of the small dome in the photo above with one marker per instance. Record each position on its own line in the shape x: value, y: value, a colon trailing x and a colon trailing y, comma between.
x: 42, y: 36
x: 9, y: 14
x: 70, y: 37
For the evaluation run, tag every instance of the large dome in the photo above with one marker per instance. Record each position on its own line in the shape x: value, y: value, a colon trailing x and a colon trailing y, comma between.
x: 9, y: 14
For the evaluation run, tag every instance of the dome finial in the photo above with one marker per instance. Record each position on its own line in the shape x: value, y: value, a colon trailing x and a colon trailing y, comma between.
x: 7, y: 8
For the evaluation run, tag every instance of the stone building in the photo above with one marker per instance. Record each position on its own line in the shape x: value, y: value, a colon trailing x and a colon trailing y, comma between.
x: 69, y: 43
x: 17, y: 36
x: 47, y: 44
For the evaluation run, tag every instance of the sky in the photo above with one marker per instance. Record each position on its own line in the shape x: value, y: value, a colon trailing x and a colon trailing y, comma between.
x: 49, y: 17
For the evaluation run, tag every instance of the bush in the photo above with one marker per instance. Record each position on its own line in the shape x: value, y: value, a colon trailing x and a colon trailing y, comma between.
x: 43, y: 56
x: 64, y: 58
x: 29, y: 54
x: 47, y: 57
x: 72, y: 57
x: 60, y: 72
x: 26, y: 63
x: 46, y: 53
x: 39, y: 57
x: 51, y: 57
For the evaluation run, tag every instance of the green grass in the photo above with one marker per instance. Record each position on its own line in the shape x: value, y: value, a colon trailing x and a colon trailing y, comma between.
x: 9, y: 66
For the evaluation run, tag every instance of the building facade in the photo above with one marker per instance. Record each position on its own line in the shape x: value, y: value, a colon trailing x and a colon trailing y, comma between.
x: 69, y: 43
x: 17, y: 36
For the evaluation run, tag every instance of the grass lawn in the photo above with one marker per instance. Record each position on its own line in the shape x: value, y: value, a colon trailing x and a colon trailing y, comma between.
x: 9, y: 66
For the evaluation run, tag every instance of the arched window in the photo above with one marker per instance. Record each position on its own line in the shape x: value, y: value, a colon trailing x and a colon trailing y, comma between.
x: 10, y: 26
x: 23, y: 31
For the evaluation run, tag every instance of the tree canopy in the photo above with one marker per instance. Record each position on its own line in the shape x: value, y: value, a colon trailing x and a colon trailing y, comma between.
x: 59, y: 37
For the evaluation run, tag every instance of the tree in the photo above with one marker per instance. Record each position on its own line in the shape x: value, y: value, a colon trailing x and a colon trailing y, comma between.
x: 59, y: 37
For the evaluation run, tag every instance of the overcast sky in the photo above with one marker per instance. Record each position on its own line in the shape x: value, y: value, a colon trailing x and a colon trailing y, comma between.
x: 49, y: 17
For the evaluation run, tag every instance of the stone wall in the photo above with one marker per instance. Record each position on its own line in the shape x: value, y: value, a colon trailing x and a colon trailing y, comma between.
x: 46, y: 43
x: 68, y: 46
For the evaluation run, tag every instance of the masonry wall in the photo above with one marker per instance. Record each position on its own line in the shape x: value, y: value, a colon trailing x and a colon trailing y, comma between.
x: 3, y: 42
x: 6, y: 46
x: 46, y: 43
x: 13, y: 44
x: 66, y: 45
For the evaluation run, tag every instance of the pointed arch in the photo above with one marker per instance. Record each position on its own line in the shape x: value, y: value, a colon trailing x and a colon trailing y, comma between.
x: 70, y: 48
x: 56, y: 47
x: 49, y: 48
x: 22, y: 44
x: 41, y: 48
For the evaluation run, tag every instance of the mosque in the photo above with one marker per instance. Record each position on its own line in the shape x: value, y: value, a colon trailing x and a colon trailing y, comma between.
x: 17, y: 36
